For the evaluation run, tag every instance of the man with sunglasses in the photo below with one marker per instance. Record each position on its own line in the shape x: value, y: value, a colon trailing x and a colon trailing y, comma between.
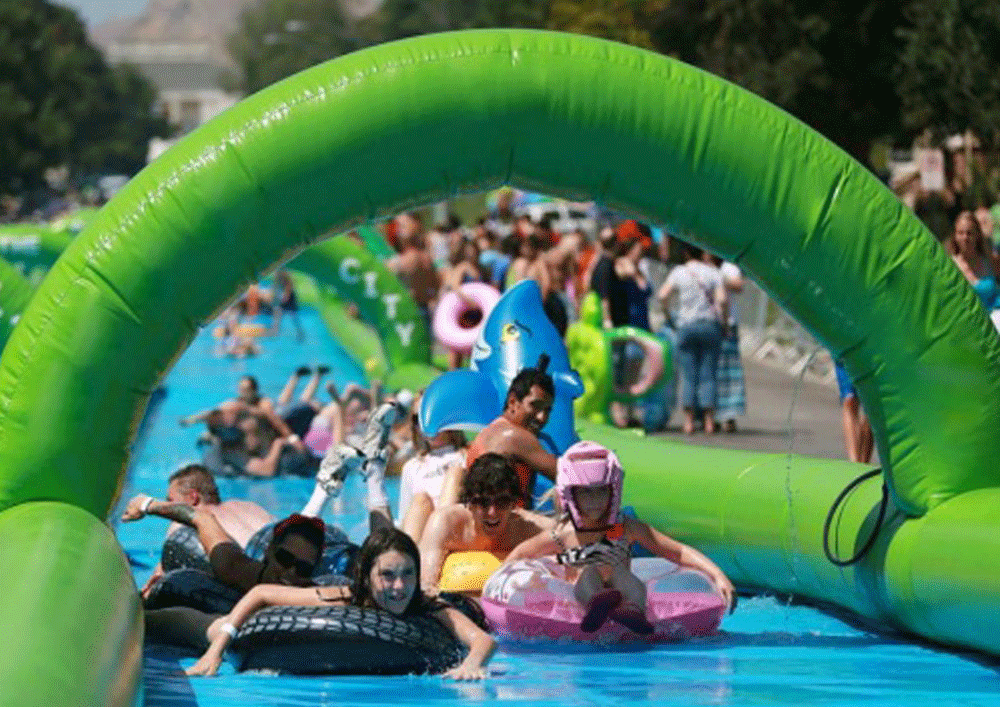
x: 489, y: 517
x: 295, y: 548
x: 194, y: 485
x: 291, y: 556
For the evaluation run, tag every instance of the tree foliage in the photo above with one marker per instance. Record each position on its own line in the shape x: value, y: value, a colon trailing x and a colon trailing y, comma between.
x: 626, y: 21
x: 949, y: 67
x: 827, y: 62
x: 856, y: 70
x: 61, y: 104
x: 278, y: 38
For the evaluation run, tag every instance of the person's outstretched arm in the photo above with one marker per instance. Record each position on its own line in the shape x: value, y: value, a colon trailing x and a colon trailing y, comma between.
x: 224, y: 629
x: 210, y: 532
x: 480, y: 644
x: 681, y: 554
x: 196, y: 417
x: 537, y: 546
x: 525, y: 446
x: 441, y: 526
x: 267, y: 466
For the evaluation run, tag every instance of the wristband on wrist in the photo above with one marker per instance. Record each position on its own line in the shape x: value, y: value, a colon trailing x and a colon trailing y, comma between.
x: 146, y: 504
x: 229, y: 629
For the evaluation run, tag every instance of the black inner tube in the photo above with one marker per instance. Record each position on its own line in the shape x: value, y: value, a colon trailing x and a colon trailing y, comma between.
x: 878, y: 523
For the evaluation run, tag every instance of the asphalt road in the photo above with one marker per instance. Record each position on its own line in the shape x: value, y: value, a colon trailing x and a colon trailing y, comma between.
x: 784, y: 414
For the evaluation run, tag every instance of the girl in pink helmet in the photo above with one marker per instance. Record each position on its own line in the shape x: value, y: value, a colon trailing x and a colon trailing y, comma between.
x: 594, y: 537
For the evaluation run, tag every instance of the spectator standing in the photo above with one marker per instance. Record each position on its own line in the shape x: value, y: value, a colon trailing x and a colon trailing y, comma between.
x: 603, y: 273
x: 858, y: 439
x: 702, y: 307
x: 414, y: 266
x: 463, y: 268
x: 732, y: 397
x: 974, y: 258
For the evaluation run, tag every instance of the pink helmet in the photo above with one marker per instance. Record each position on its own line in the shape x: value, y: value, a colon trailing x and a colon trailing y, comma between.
x: 589, y: 464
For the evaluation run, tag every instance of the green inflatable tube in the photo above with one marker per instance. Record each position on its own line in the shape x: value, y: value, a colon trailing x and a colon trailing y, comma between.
x: 590, y: 353
x: 761, y: 518
x: 15, y: 293
x: 75, y: 639
x: 33, y: 248
x: 471, y: 111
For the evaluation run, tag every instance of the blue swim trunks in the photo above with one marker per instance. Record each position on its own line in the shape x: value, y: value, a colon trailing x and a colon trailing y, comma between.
x: 844, y: 383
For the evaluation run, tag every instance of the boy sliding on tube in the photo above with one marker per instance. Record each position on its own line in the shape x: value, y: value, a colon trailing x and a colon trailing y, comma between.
x: 594, y: 537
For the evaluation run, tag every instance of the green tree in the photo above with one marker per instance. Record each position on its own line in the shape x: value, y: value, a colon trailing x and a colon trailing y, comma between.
x: 828, y: 62
x: 949, y: 67
x: 277, y: 38
x: 61, y: 104
x: 407, y: 18
x: 626, y: 21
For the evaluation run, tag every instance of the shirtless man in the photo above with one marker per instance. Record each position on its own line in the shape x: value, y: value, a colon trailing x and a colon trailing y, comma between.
x: 295, y: 548
x: 248, y: 400
x: 290, y: 558
x: 247, y: 403
x: 414, y: 265
x: 515, y: 435
x: 487, y: 518
x: 194, y: 486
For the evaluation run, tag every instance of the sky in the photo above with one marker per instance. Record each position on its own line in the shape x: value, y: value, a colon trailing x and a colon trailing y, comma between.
x: 94, y: 12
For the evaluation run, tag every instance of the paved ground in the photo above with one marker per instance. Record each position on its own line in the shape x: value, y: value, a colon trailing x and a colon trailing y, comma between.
x: 782, y: 412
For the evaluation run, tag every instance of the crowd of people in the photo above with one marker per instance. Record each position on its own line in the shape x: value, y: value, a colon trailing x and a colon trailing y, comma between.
x: 456, y: 497
x: 695, y: 308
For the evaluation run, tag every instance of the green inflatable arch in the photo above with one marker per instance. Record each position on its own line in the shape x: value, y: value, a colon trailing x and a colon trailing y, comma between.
x: 405, y: 124
x: 357, y: 275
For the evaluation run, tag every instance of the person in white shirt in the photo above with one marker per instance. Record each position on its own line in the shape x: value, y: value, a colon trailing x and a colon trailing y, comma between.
x: 422, y: 479
x: 700, y: 309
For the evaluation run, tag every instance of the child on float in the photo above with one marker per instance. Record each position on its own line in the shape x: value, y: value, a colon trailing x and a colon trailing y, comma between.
x: 595, y: 538
x: 385, y: 576
x: 423, y: 477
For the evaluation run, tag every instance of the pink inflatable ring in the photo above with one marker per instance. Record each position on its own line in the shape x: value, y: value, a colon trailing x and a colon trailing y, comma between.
x: 534, y: 599
x: 452, y: 316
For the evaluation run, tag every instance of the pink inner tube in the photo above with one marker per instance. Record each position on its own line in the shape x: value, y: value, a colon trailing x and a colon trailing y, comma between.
x: 534, y: 599
x: 447, y: 322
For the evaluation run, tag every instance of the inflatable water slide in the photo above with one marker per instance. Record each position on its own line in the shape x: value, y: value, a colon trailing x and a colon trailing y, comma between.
x: 379, y: 131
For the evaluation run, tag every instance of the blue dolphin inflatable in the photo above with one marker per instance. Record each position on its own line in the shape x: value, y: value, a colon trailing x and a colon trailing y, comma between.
x: 516, y: 335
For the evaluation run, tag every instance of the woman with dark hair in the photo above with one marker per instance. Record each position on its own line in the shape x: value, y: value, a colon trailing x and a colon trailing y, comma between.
x: 385, y: 577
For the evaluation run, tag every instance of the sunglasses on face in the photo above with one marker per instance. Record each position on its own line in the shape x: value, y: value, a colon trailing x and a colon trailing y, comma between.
x: 504, y: 501
x: 287, y: 559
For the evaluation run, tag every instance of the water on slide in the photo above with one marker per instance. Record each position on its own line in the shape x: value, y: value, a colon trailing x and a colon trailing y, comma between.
x: 769, y: 652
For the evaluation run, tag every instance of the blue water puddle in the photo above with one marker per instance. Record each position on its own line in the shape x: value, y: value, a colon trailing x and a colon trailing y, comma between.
x: 769, y: 653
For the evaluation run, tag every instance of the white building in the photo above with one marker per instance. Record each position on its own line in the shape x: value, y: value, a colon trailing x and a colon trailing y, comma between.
x: 179, y: 45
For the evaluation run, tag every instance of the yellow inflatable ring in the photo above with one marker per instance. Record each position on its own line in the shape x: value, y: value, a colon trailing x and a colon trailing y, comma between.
x: 467, y: 571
